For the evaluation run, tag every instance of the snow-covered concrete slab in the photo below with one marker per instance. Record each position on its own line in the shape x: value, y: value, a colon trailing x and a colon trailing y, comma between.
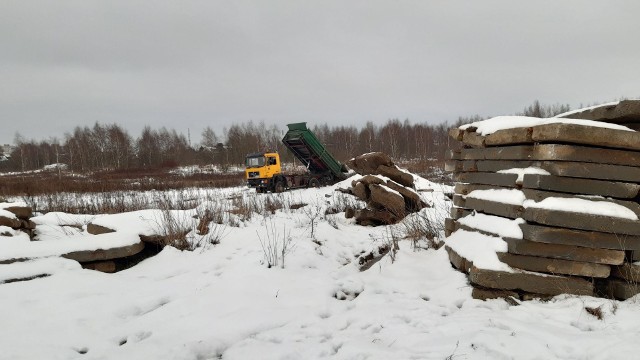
x: 82, y: 248
x: 26, y: 270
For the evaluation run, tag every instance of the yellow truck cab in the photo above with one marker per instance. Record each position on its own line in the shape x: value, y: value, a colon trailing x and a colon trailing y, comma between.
x: 262, y: 172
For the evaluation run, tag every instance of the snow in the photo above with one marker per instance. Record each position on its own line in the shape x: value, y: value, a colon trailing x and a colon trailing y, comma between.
x: 502, y: 227
x: 55, y: 166
x: 505, y: 196
x: 222, y: 302
x: 63, y: 219
x: 489, y: 126
x: 4, y: 205
x: 586, y: 109
x: 386, y: 188
x: 206, y: 169
x: 602, y: 208
x: 576, y: 205
x: 38, y: 267
x: 523, y: 171
x: 147, y: 222
x: 64, y: 245
x: 9, y: 214
x: 480, y: 249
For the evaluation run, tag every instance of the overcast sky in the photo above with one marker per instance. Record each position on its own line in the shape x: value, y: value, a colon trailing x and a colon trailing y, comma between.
x: 192, y: 64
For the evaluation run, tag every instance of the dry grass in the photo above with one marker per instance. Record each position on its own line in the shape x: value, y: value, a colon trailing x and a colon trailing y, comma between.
x: 595, y: 311
x: 41, y: 183
x: 432, y: 170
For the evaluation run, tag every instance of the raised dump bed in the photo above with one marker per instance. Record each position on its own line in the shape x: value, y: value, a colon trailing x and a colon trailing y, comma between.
x: 307, y: 148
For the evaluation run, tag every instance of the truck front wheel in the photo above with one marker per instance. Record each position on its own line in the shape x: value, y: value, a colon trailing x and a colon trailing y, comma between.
x: 279, y: 186
x: 314, y: 183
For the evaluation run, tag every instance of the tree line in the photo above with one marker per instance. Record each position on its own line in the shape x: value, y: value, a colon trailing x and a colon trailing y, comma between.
x: 110, y: 147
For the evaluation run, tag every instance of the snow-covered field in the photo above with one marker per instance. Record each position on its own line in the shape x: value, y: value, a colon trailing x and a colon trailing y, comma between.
x: 223, y: 301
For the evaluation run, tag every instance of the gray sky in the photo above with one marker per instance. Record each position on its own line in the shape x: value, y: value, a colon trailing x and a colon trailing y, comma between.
x: 189, y: 64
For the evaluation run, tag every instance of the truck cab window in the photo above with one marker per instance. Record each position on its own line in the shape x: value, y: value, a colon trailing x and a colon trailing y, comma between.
x: 272, y: 161
x: 255, y: 161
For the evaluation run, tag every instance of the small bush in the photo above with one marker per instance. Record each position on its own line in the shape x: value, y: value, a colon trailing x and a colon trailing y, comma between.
x: 595, y: 311
x: 275, y: 245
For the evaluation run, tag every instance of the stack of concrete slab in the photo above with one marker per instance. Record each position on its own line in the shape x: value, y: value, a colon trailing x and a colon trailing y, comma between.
x: 624, y: 112
x: 556, y: 199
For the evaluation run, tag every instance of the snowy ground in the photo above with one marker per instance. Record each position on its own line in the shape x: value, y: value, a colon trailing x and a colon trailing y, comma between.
x: 223, y: 302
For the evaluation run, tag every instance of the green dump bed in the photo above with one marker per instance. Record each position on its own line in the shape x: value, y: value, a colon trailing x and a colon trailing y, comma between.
x: 308, y: 149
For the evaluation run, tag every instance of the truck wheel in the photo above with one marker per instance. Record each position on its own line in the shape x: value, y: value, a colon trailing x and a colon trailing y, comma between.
x: 279, y: 187
x: 314, y: 183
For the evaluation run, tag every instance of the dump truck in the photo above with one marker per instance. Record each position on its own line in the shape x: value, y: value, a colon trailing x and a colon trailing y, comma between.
x: 264, y: 172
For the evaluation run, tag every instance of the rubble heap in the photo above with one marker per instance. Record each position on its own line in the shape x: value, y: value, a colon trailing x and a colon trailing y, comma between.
x: 387, y: 190
x: 104, y: 250
x: 17, y: 217
x: 543, y: 208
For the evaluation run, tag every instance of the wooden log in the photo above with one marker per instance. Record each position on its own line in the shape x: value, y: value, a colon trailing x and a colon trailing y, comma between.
x: 507, y: 180
x: 553, y: 152
x: 581, y: 221
x: 581, y: 186
x: 628, y: 272
x: 530, y: 282
x: 565, y: 252
x: 591, y: 239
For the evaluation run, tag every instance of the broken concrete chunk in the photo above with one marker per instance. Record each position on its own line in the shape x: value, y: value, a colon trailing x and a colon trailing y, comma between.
x: 97, y: 229
x: 389, y: 200
x: 368, y: 163
x: 397, y: 175
x: 22, y: 212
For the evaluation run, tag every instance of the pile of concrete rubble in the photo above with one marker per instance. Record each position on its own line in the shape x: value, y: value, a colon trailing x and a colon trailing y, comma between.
x: 388, y: 191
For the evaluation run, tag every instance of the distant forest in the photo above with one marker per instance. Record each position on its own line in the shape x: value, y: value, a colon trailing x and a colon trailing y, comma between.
x: 110, y: 147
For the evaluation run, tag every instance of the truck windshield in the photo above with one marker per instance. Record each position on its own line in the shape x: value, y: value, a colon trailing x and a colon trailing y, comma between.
x: 254, y: 161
